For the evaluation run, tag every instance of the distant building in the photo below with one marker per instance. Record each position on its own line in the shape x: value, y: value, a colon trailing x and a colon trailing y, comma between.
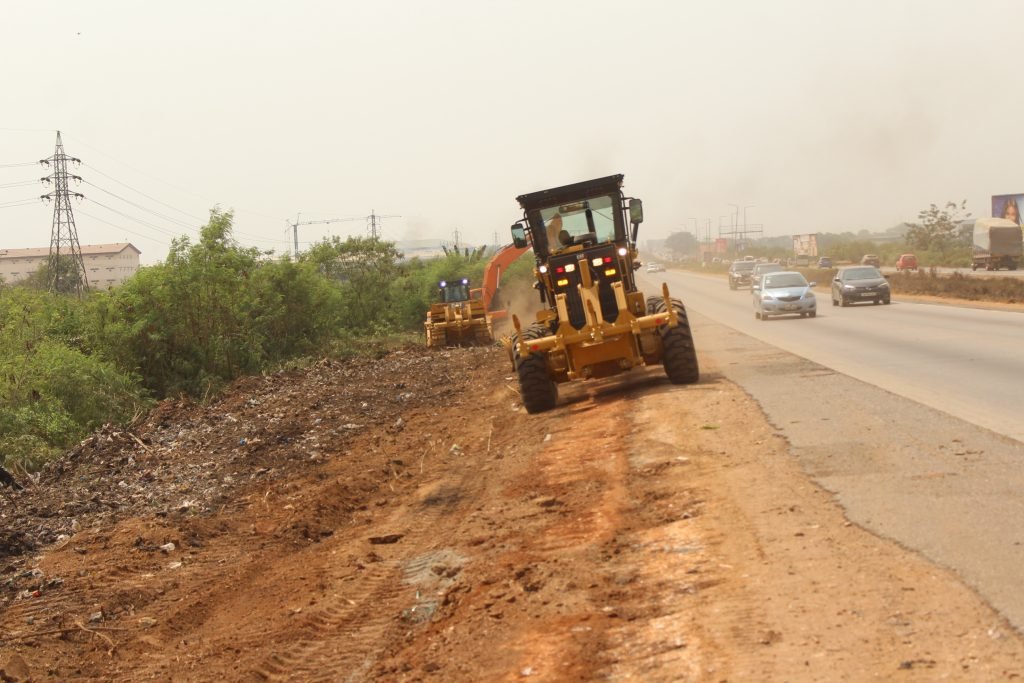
x: 106, y: 265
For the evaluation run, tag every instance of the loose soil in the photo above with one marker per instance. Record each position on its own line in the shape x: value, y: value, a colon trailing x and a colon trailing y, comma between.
x: 405, y: 520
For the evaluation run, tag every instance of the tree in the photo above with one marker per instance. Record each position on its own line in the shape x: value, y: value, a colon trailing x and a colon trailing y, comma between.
x: 69, y: 276
x: 190, y: 323
x: 939, y: 229
x: 365, y: 270
x: 681, y: 243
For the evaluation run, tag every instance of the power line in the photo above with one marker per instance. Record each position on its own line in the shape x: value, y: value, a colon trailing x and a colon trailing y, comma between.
x: 139, y: 206
x: 165, y: 231
x: 11, y: 201
x: 119, y: 182
x: 121, y: 227
x: 169, y: 206
x: 164, y: 182
x: 20, y: 202
x: 19, y: 165
x: 23, y: 183
x: 158, y: 228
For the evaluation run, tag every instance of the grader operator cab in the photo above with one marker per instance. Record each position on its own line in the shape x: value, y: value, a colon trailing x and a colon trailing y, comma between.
x: 458, y: 318
x: 596, y: 322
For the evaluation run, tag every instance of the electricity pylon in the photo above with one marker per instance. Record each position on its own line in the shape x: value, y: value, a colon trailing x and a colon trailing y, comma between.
x: 64, y: 247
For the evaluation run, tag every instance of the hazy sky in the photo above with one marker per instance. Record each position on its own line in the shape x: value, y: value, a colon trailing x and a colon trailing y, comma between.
x: 817, y: 116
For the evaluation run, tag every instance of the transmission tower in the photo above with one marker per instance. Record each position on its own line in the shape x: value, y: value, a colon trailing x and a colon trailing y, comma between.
x: 64, y: 246
x: 372, y: 222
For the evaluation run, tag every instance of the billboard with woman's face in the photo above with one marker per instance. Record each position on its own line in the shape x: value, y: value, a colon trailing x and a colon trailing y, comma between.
x: 1008, y: 206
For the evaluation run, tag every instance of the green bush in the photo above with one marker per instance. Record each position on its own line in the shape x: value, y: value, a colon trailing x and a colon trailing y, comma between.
x: 55, y: 386
x: 213, y: 310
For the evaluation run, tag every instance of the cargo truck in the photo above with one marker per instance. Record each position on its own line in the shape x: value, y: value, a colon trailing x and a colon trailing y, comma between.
x: 998, y: 243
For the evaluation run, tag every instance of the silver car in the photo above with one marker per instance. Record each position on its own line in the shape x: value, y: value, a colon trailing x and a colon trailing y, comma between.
x: 784, y: 293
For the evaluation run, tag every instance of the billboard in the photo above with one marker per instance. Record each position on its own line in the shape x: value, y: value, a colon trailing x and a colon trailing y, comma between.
x: 1008, y: 206
x: 805, y: 245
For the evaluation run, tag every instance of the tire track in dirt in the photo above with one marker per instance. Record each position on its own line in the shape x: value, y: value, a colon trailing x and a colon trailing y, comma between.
x: 668, y: 551
x: 341, y: 640
x: 579, y: 473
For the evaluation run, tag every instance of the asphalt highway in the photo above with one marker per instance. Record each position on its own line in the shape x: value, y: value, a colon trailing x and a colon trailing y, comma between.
x: 967, y: 362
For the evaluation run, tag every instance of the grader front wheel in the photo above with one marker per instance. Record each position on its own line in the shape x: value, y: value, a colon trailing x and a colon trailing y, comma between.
x: 537, y: 390
x: 680, y: 355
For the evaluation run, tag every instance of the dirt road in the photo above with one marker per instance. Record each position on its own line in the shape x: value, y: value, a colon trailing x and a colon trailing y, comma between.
x: 405, y: 520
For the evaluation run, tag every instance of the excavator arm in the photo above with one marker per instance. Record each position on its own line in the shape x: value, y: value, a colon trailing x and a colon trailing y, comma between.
x: 498, y: 264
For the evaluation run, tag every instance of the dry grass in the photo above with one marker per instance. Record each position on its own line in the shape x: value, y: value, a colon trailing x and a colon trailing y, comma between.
x: 1008, y: 290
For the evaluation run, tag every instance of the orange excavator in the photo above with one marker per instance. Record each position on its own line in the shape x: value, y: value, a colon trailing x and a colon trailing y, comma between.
x: 491, y: 286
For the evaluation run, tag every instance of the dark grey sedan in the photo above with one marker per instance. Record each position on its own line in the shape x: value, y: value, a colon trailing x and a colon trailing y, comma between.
x: 860, y: 283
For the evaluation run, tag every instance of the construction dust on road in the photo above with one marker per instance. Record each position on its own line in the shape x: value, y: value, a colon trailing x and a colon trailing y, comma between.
x: 404, y: 519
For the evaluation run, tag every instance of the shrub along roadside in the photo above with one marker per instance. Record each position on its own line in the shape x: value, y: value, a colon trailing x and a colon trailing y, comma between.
x: 54, y: 387
x: 990, y: 288
x: 214, y: 310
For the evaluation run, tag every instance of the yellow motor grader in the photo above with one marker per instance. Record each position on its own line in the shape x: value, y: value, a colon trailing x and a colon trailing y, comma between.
x: 595, y: 321
x: 458, y: 317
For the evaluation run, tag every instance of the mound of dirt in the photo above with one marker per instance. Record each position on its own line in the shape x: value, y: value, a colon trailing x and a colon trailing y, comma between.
x: 185, y: 460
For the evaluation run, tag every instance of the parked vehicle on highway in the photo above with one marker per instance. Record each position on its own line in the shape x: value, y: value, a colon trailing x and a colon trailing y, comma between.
x: 739, y: 273
x: 906, y: 262
x: 997, y: 244
x: 871, y: 260
x: 784, y: 293
x: 655, y: 268
x: 860, y: 283
x: 824, y: 262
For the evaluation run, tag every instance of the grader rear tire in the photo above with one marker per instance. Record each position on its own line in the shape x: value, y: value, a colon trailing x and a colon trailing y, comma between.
x: 680, y: 355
